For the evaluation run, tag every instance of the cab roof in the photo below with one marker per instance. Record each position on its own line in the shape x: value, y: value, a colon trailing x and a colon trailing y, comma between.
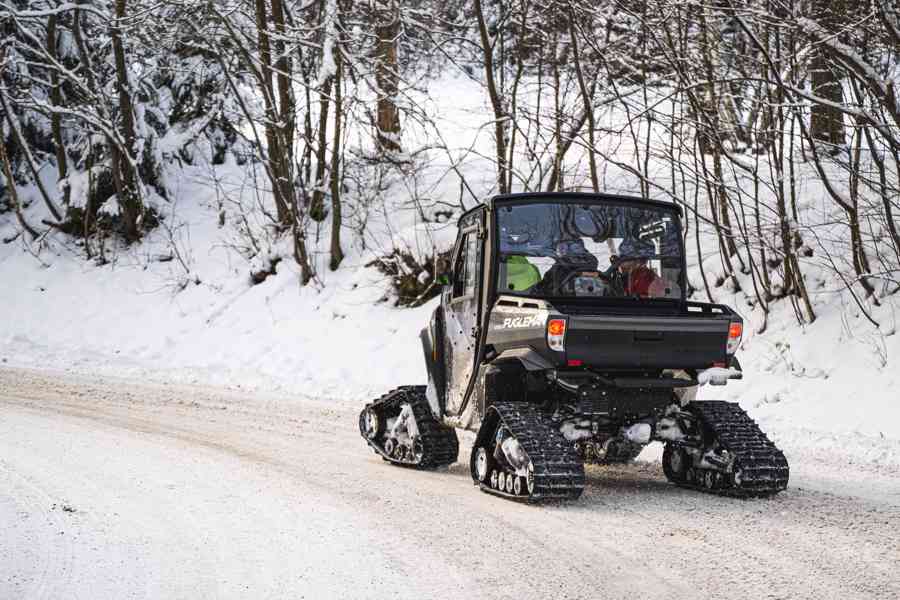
x: 571, y: 197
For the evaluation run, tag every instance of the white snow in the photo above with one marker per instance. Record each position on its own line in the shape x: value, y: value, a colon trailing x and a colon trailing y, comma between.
x: 112, y: 488
x: 716, y: 376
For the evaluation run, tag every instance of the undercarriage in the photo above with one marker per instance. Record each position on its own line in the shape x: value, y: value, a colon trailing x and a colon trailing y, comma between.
x: 710, y: 446
x: 536, y: 451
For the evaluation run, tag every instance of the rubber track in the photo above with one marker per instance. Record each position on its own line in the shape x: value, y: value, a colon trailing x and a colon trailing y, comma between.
x: 762, y: 466
x: 558, y: 470
x: 440, y: 444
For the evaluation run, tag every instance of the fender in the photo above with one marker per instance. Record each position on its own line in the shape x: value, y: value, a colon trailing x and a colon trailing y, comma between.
x: 527, y: 357
x: 508, y: 377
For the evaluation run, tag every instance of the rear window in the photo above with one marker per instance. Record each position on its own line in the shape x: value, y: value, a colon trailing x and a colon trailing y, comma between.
x: 560, y: 249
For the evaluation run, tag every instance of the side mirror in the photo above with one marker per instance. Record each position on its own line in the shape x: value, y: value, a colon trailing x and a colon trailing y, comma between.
x: 443, y: 280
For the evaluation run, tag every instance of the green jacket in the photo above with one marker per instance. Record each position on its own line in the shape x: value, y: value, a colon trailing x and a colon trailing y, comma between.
x: 520, y: 274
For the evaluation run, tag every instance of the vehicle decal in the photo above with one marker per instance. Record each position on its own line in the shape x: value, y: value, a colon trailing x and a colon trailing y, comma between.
x: 521, y: 322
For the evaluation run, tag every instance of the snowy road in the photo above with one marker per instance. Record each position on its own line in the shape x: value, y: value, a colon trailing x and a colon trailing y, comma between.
x: 114, y: 489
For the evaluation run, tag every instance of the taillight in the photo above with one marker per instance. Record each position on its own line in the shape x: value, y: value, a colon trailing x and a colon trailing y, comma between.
x: 556, y: 334
x: 735, y: 332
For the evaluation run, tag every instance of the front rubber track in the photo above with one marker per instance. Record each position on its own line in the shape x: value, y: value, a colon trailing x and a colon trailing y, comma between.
x: 440, y: 444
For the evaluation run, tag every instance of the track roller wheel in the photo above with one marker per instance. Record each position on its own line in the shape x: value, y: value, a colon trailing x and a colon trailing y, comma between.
x: 675, y: 463
x: 691, y: 475
x: 482, y: 465
x: 371, y: 424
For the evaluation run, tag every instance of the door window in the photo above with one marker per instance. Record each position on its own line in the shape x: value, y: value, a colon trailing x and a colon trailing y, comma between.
x: 466, y: 271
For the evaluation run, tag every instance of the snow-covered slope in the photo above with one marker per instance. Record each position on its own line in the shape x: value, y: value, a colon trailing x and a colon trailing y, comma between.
x: 205, y: 320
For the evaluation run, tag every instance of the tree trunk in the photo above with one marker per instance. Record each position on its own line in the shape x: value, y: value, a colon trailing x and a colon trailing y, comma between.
x: 55, y: 120
x: 588, y: 100
x: 557, y: 120
x: 720, y: 196
x: 337, y: 254
x: 128, y: 188
x: 387, y: 28
x: 514, y: 95
x: 317, y: 210
x: 307, y: 127
x: 827, y: 121
x: 286, y: 111
x: 273, y: 124
x: 500, y: 116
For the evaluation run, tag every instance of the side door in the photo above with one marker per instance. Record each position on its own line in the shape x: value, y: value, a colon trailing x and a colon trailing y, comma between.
x: 461, y: 312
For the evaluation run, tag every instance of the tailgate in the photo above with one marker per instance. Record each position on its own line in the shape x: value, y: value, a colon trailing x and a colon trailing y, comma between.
x: 647, y: 342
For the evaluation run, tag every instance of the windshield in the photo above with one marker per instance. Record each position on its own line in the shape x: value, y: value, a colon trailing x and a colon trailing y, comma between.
x: 589, y: 250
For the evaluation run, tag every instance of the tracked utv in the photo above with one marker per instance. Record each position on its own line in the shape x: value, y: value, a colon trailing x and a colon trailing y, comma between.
x: 564, y: 337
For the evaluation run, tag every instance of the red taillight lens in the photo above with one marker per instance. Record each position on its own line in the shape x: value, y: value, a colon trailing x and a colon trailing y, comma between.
x: 556, y: 327
x: 556, y: 334
x: 735, y: 332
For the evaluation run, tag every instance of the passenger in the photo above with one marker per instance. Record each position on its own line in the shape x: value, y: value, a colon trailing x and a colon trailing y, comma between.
x: 521, y: 275
x: 640, y: 279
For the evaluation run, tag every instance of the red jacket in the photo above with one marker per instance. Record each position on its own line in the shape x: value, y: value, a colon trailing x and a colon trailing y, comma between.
x: 639, y: 281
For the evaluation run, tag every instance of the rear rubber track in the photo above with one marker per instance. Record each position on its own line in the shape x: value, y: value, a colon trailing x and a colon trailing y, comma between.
x: 440, y: 446
x: 759, y: 469
x: 558, y: 469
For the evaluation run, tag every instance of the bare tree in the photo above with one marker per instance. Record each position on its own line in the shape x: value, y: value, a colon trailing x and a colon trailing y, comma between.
x: 387, y: 73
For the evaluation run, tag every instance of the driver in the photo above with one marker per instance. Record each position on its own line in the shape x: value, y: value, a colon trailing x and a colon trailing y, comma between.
x: 640, y: 279
x: 571, y: 257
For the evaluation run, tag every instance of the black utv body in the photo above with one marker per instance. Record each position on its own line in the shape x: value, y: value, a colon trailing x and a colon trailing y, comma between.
x: 564, y: 336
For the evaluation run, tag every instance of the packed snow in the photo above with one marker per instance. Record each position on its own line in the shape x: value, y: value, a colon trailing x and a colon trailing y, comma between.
x: 115, y: 488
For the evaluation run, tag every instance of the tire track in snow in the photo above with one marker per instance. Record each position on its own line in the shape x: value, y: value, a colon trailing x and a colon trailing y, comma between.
x: 631, y: 535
